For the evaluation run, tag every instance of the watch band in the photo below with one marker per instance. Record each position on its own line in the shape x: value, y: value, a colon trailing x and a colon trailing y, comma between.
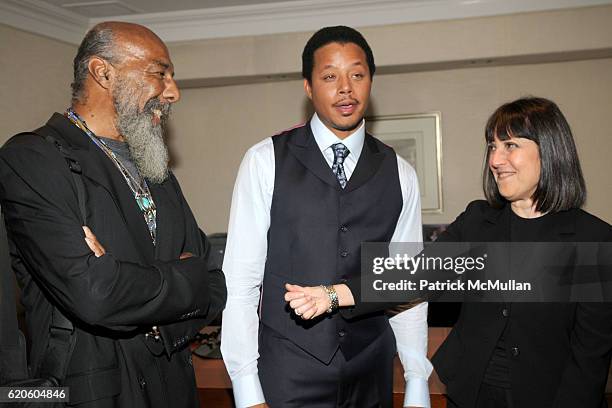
x: 333, y: 298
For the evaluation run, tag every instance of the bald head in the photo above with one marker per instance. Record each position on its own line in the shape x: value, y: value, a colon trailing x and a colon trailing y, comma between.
x: 129, y: 37
x: 126, y: 30
x: 112, y: 41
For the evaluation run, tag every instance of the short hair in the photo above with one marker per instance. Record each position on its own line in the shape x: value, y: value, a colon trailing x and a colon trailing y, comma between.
x: 336, y: 34
x: 561, y: 185
x: 99, y: 41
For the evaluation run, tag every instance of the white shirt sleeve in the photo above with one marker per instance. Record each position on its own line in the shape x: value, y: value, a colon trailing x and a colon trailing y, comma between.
x: 243, y: 265
x: 410, y: 326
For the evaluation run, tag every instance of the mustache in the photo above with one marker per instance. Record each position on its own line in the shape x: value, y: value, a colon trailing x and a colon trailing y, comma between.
x: 155, y: 104
x: 346, y: 101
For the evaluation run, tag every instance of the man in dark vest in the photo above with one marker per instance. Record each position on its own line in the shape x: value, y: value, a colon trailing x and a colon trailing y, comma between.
x: 107, y: 238
x: 303, y: 202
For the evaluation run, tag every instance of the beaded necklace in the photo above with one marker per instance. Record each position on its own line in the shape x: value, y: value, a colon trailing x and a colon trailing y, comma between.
x: 139, y: 186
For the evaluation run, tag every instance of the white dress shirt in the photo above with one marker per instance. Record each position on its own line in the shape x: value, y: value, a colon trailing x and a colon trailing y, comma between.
x: 245, y: 257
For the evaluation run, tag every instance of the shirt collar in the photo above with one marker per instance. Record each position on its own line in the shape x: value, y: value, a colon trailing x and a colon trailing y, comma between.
x: 325, y: 137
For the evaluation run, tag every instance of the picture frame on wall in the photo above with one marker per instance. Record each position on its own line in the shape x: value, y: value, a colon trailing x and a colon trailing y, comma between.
x: 417, y: 139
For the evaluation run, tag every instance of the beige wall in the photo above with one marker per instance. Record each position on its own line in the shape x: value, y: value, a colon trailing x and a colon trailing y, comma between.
x: 466, y: 98
x: 213, y: 127
x: 429, y: 66
x: 525, y: 35
x: 35, y: 76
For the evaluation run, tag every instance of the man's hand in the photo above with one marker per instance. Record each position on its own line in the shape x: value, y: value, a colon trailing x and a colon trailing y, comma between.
x: 264, y: 405
x: 185, y: 255
x: 92, y: 243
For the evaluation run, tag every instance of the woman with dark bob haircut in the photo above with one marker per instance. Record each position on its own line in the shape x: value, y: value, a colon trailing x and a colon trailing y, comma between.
x: 561, y: 185
x: 528, y: 354
x: 524, y: 355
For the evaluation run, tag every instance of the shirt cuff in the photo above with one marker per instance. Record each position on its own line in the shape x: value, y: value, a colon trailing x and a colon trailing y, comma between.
x: 247, y: 391
x: 417, y: 393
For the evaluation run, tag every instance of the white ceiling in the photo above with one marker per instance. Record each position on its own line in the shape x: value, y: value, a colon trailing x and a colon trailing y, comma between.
x: 187, y: 20
x: 111, y: 8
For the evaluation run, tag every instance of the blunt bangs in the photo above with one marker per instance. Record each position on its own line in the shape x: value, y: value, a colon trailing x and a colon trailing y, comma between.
x: 561, y: 185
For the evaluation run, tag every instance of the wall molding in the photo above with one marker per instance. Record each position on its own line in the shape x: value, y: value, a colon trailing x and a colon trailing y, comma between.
x: 44, y: 19
x: 271, y: 18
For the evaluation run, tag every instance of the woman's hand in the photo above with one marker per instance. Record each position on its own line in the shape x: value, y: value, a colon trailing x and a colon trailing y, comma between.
x: 309, y: 302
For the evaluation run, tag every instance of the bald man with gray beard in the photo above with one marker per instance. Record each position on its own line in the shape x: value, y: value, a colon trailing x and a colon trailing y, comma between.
x: 134, y: 280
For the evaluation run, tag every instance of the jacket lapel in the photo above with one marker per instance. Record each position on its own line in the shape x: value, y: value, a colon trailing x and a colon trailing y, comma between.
x: 368, y: 164
x: 98, y: 168
x: 305, y: 149
x: 561, y: 226
x: 168, y: 205
x: 497, y: 224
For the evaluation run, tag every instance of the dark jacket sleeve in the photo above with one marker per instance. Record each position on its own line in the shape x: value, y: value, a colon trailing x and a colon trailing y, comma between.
x: 584, y: 379
x: 41, y: 209
x: 178, y: 335
x: 453, y: 233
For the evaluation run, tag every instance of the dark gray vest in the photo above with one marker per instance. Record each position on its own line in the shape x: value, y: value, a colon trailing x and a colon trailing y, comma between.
x: 315, y: 235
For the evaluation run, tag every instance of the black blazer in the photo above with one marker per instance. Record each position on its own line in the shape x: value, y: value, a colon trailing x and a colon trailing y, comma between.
x: 559, y: 353
x: 114, y: 299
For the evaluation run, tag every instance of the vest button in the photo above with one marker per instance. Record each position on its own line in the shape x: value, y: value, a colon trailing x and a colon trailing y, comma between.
x: 515, y: 351
x: 342, y: 333
x: 344, y: 254
x: 505, y: 312
x: 343, y: 228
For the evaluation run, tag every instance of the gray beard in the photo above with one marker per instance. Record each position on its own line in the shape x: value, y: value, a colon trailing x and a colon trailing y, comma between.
x: 145, y: 139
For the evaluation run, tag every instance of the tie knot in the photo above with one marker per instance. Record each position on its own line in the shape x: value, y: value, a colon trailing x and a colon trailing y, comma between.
x: 340, y: 152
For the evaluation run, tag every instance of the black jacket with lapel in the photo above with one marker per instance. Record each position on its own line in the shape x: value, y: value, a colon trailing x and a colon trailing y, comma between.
x: 114, y: 299
x: 559, y: 352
